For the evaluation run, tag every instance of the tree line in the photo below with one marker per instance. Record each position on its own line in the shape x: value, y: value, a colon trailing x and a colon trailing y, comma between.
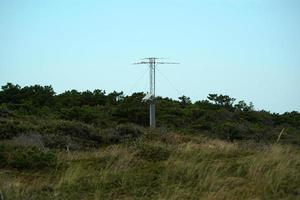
x: 219, y: 116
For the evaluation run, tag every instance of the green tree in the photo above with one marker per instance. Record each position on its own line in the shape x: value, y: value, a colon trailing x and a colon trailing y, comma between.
x: 184, y: 101
x: 221, y: 100
x: 242, y: 106
x: 10, y: 94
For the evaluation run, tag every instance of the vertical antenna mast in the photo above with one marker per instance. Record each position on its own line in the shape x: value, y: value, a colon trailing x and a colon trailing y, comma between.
x: 150, y: 97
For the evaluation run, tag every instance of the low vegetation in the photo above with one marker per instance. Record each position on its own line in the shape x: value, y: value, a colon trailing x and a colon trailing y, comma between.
x: 161, y: 166
x: 93, y: 145
x: 26, y: 158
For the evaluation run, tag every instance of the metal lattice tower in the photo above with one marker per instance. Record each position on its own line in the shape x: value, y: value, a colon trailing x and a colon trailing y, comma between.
x: 150, y: 97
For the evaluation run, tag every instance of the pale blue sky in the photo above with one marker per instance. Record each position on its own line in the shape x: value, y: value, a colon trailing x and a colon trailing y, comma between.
x: 248, y: 49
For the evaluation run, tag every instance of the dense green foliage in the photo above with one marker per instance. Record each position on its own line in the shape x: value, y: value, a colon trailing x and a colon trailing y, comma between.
x: 26, y: 158
x: 91, y: 115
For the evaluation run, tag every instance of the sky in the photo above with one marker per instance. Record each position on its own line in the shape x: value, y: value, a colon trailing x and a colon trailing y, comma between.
x: 247, y: 49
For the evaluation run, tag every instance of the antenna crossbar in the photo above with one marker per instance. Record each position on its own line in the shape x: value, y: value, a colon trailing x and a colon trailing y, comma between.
x: 152, y: 62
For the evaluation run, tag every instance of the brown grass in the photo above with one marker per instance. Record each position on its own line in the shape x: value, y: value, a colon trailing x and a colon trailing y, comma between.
x: 197, y: 168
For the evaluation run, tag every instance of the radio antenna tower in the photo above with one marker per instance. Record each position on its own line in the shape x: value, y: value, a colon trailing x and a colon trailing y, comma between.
x: 150, y: 96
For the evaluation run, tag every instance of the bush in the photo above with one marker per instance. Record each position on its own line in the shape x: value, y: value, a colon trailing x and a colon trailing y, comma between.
x: 11, y: 128
x: 121, y: 133
x: 86, y: 114
x: 3, y: 156
x: 27, y: 140
x: 79, y: 130
x: 4, y: 111
x: 26, y: 158
x: 67, y: 142
x: 129, y: 131
x: 231, y: 131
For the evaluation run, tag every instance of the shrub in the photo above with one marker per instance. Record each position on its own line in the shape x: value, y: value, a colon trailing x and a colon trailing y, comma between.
x: 11, y: 128
x: 26, y: 158
x: 129, y: 131
x: 121, y: 133
x: 79, y: 130
x: 231, y: 131
x: 26, y: 140
x: 4, y: 111
x: 31, y: 158
x: 3, y: 156
x: 111, y: 136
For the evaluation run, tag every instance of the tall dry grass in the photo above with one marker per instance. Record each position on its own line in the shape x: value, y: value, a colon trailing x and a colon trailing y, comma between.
x: 169, y: 166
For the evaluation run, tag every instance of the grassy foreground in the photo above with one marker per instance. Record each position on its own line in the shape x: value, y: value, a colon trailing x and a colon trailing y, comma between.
x: 163, y: 166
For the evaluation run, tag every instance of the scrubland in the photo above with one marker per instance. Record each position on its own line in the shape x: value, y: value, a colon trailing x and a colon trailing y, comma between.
x: 162, y: 166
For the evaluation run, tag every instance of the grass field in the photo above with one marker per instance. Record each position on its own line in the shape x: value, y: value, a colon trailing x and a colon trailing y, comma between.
x: 168, y: 166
